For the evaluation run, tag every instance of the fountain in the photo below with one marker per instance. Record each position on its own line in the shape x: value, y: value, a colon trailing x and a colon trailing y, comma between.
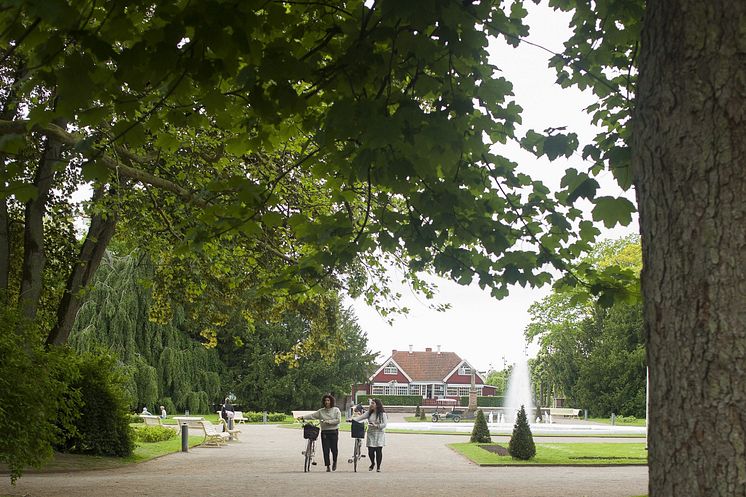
x: 519, y: 391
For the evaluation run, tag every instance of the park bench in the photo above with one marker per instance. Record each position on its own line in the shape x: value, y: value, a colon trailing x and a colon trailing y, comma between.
x: 232, y: 432
x: 214, y: 436
x: 564, y: 412
x: 153, y: 420
x: 238, y: 417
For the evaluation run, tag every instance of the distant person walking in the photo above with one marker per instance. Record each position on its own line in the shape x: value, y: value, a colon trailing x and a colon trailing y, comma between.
x: 227, y: 411
x: 376, y: 439
x: 329, y: 417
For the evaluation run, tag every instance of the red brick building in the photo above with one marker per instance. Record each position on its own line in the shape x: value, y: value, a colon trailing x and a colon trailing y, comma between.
x: 430, y: 374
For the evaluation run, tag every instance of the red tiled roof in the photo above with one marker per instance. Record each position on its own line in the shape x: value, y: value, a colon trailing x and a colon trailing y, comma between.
x: 427, y: 366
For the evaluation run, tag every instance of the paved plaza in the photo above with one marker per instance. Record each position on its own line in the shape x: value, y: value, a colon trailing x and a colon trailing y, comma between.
x: 268, y: 463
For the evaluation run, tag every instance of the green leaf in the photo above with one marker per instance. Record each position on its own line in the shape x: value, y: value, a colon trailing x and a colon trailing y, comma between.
x: 613, y: 211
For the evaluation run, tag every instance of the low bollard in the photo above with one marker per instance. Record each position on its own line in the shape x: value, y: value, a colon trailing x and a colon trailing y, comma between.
x: 185, y: 437
x: 613, y: 419
x: 264, y: 416
x: 586, y: 414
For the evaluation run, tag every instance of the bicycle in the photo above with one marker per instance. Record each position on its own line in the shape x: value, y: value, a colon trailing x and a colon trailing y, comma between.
x: 310, y: 433
x: 358, y: 433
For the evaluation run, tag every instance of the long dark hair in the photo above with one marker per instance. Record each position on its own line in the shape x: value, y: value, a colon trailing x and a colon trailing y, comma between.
x: 379, y: 408
x: 331, y: 400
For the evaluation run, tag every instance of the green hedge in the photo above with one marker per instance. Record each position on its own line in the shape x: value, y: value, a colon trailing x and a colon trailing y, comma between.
x: 393, y: 400
x: 483, y: 401
x: 150, y: 434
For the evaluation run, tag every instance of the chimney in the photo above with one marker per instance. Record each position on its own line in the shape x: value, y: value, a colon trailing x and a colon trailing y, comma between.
x: 428, y: 349
x: 393, y: 352
x: 410, y: 349
x: 438, y: 349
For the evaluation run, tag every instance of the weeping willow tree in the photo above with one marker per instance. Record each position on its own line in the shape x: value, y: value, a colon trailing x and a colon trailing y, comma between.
x: 163, y: 366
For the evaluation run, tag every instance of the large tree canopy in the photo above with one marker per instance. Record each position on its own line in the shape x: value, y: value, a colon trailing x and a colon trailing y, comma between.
x: 320, y: 139
x: 325, y: 140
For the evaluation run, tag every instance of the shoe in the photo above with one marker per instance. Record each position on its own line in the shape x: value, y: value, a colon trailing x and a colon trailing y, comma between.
x: 334, y: 466
x: 378, y: 470
x: 370, y: 468
x: 327, y: 469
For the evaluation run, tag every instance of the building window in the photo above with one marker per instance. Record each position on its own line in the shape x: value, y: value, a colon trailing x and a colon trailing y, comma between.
x: 415, y: 389
x: 464, y: 370
x: 378, y: 390
x: 390, y: 369
x: 438, y: 390
x: 459, y: 391
x: 401, y: 390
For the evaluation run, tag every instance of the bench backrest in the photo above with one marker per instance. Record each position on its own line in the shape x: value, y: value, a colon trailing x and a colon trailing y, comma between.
x: 563, y: 411
x: 211, y: 429
x: 238, y: 415
x: 151, y: 420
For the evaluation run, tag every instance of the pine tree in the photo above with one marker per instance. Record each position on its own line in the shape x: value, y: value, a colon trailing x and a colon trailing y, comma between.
x: 417, y: 411
x: 422, y: 413
x: 480, y: 433
x: 522, y: 442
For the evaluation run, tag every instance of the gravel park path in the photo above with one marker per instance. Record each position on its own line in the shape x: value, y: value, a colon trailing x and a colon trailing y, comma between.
x: 268, y: 463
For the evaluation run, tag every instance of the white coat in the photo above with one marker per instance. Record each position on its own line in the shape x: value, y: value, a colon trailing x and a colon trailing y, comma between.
x: 376, y: 436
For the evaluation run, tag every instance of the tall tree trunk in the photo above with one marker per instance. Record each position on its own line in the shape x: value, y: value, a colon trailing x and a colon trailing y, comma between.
x: 8, y: 112
x: 4, y: 248
x: 33, y: 234
x: 94, y: 246
x: 690, y: 161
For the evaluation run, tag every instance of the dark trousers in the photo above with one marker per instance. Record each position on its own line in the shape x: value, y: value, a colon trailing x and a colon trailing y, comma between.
x: 375, y: 454
x: 329, y: 439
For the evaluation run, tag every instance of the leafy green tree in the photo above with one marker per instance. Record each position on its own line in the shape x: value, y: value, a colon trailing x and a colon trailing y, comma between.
x: 521, y: 444
x: 480, y: 433
x: 265, y: 377
x: 499, y: 379
x: 594, y: 356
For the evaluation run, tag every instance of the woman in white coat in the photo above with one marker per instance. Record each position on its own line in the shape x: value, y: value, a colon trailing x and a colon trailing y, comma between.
x: 376, y: 437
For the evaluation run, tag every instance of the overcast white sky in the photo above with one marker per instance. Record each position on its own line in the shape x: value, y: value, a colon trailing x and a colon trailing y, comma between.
x: 479, y: 328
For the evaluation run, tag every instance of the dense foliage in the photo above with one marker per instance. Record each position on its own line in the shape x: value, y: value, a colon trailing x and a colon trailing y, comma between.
x: 592, y: 355
x: 150, y: 434
x: 162, y: 364
x: 393, y: 400
x: 37, y: 408
x: 484, y: 401
x: 521, y: 444
x: 480, y: 433
x: 102, y: 426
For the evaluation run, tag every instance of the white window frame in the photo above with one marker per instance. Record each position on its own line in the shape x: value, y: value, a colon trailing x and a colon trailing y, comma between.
x: 390, y: 369
x: 464, y: 370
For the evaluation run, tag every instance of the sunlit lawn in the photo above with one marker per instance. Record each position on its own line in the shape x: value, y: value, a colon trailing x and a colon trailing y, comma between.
x: 561, y: 454
x: 618, y: 422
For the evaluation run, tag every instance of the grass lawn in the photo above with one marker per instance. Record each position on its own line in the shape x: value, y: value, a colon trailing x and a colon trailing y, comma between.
x: 143, y: 452
x: 569, y: 454
x: 618, y: 422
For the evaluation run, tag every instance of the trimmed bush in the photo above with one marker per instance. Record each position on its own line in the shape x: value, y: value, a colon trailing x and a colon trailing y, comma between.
x: 480, y: 433
x: 491, y: 401
x: 422, y: 414
x: 393, y: 400
x: 276, y: 417
x: 103, y: 426
x: 135, y: 418
x: 417, y: 411
x: 522, y: 442
x: 151, y: 434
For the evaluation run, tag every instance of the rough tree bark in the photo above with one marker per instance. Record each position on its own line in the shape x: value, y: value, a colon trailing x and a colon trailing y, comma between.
x: 689, y: 156
x: 33, y: 233
x: 100, y: 232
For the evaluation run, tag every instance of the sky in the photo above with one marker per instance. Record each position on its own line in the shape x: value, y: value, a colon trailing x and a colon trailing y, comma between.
x: 487, y: 332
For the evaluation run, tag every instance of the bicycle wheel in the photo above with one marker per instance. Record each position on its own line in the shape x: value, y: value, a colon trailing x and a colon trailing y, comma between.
x: 309, y: 455
x: 356, y: 456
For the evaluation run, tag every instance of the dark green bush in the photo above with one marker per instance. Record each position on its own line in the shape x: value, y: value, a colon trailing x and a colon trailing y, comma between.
x: 522, y: 442
x: 491, y: 401
x: 103, y: 426
x: 135, y: 418
x: 276, y: 417
x: 422, y: 413
x: 417, y: 411
x: 37, y: 406
x: 480, y: 433
x: 393, y: 400
x: 150, y: 434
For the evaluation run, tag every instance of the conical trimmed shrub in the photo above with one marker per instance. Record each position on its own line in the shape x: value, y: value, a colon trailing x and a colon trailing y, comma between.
x: 422, y: 414
x: 480, y: 433
x: 417, y: 411
x: 522, y: 442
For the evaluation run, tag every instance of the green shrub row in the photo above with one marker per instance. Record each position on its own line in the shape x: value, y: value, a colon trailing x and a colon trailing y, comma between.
x: 393, y: 400
x: 272, y: 417
x: 483, y: 401
x: 150, y: 434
